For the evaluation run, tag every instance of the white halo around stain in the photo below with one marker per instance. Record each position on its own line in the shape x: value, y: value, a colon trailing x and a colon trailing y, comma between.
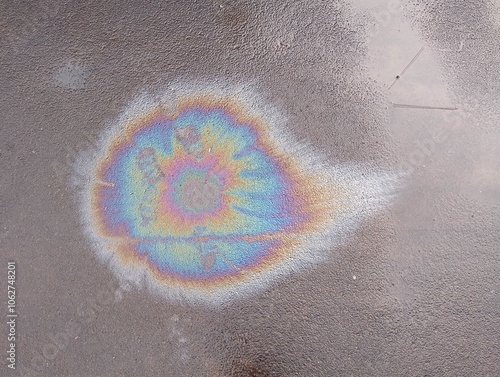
x: 363, y: 190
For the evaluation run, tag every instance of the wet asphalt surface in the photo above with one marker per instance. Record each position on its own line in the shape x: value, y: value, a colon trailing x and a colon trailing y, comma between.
x: 414, y: 292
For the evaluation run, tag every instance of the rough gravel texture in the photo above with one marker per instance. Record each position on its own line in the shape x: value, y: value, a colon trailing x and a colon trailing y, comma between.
x: 414, y: 292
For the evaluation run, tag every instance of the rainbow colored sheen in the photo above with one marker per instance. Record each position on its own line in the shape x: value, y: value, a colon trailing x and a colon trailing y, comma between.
x: 202, y: 197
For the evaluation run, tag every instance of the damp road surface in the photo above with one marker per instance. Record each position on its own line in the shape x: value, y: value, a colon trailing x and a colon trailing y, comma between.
x: 398, y: 97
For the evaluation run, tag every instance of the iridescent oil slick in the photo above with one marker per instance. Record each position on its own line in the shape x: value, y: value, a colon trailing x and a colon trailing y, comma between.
x: 202, y: 195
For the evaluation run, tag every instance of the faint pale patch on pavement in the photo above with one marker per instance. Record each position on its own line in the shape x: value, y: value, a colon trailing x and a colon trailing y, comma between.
x: 73, y: 75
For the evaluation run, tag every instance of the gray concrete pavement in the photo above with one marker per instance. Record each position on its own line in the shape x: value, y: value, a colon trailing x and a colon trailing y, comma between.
x: 414, y: 291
